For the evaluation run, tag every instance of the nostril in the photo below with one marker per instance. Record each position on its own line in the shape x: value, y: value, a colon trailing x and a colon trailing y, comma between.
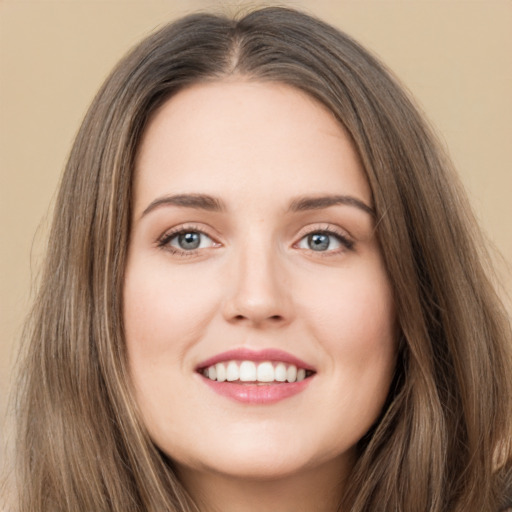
x: 273, y: 318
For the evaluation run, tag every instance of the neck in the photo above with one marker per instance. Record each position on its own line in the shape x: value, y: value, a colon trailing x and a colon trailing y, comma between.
x: 318, y: 489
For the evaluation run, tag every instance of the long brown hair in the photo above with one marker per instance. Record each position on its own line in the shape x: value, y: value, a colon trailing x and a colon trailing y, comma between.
x: 443, y: 440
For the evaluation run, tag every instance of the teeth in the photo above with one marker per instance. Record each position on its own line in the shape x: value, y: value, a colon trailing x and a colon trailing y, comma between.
x: 249, y: 371
x: 221, y: 372
x: 232, y: 372
x: 212, y: 373
x: 291, y: 373
x: 280, y: 372
x: 265, y: 372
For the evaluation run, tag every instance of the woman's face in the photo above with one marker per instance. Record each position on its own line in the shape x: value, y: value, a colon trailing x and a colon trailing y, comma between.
x: 259, y: 318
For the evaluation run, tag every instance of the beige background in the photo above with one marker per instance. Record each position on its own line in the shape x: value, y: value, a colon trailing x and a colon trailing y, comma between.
x: 454, y: 55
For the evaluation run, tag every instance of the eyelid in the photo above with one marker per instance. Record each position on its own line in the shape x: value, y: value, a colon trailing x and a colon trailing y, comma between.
x: 164, y: 239
x: 346, y: 241
x: 342, y: 235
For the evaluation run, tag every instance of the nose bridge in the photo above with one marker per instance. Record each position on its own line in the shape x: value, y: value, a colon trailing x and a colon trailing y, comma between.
x: 258, y: 292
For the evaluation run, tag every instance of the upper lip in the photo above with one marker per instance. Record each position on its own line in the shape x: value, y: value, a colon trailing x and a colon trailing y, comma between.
x: 247, y: 354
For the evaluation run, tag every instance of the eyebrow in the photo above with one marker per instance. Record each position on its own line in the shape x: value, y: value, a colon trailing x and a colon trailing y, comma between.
x: 197, y: 201
x: 318, y: 203
x: 213, y: 204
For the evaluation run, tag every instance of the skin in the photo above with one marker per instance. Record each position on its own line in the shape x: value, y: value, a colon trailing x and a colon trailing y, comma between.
x: 256, y: 282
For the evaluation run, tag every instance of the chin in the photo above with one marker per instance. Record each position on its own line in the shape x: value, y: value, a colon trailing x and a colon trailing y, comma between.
x: 256, y: 468
x: 261, y: 458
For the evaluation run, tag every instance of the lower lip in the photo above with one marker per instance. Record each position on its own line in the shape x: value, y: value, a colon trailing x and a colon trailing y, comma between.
x: 257, y: 394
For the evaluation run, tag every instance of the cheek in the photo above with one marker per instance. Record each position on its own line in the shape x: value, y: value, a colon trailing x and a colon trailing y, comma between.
x: 355, y: 322
x: 164, y: 311
x: 357, y: 328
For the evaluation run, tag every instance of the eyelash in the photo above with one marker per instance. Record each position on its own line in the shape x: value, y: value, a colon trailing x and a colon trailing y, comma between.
x: 346, y: 243
x: 164, y: 241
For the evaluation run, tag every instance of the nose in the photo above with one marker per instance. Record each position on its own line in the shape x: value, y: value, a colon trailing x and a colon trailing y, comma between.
x: 258, y: 293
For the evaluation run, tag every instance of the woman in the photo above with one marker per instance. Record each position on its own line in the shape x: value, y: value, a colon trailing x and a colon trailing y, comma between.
x: 263, y: 291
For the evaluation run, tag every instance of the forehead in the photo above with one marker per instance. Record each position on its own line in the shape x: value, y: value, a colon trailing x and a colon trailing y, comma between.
x: 230, y: 137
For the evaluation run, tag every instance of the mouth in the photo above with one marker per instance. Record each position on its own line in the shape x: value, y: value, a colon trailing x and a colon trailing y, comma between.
x: 252, y: 372
x: 256, y: 377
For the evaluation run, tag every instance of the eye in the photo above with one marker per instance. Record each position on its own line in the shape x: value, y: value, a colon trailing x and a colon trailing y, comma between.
x: 324, y: 241
x: 186, y: 241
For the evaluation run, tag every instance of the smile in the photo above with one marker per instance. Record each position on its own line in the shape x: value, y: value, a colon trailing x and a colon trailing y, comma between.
x: 256, y: 377
x: 265, y: 372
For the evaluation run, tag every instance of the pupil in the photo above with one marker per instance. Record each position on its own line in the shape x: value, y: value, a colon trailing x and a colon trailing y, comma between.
x: 189, y: 240
x: 318, y: 242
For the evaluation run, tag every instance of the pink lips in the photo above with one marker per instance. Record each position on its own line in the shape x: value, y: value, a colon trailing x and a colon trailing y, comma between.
x: 251, y: 393
x: 242, y: 354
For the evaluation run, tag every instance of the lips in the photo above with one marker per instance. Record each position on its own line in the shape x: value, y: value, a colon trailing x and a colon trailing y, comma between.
x: 259, y: 377
x: 244, y: 354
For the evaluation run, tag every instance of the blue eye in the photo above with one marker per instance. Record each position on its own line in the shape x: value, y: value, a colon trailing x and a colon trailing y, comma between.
x: 323, y: 241
x: 187, y: 240
x: 319, y: 241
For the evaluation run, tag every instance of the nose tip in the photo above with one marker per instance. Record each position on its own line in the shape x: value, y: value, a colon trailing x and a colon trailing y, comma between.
x: 267, y: 309
x: 259, y: 295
